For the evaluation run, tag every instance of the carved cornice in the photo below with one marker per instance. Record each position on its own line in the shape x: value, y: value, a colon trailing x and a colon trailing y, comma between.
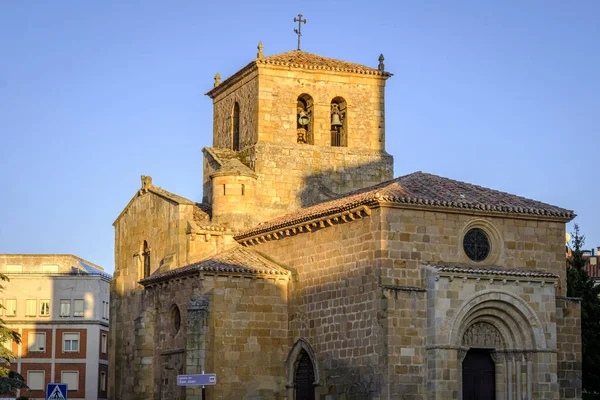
x: 304, y: 227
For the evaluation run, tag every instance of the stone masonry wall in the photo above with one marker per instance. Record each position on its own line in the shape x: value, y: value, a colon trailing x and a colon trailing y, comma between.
x: 234, y: 201
x: 413, y: 237
x: 245, y: 93
x: 394, y: 250
x: 162, y: 224
x: 335, y: 305
x: 296, y: 175
x: 568, y: 326
x: 280, y: 87
x: 246, y: 340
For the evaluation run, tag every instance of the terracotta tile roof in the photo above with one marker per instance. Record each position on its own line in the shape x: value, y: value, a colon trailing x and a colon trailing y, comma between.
x: 497, y: 271
x: 301, y: 59
x: 420, y: 189
x: 237, y: 260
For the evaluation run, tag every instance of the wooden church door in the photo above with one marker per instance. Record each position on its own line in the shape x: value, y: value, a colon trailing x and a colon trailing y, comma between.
x: 305, y: 377
x: 478, y: 376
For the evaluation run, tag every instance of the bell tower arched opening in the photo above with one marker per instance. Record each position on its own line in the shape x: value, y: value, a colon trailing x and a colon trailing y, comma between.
x: 304, y: 119
x: 339, y: 123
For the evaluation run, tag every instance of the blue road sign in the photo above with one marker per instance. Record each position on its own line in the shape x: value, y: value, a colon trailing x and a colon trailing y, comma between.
x: 196, y: 380
x: 56, y: 391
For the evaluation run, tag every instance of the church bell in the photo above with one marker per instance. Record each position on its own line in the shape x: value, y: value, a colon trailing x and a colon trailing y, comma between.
x: 303, y: 118
x: 335, y: 120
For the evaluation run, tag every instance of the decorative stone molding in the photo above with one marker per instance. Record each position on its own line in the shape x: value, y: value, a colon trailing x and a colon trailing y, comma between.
x: 502, y: 302
x: 495, y: 239
x: 304, y: 227
x: 482, y: 335
x: 497, y: 357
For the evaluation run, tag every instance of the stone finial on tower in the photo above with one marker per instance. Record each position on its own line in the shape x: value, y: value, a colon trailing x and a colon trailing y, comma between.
x: 146, y: 181
x: 217, y: 79
x: 381, y: 67
x: 260, y: 53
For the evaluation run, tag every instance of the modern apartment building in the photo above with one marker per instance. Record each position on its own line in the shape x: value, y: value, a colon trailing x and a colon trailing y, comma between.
x: 59, y: 303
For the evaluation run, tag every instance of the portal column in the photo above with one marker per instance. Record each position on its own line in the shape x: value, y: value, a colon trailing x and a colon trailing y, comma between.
x: 500, y: 367
x: 518, y: 373
x: 528, y: 357
x: 509, y: 371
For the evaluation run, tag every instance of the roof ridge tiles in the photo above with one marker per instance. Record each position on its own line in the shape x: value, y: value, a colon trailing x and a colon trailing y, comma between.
x: 421, y: 189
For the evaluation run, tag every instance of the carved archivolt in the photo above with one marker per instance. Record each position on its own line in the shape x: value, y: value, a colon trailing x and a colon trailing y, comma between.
x: 482, y: 335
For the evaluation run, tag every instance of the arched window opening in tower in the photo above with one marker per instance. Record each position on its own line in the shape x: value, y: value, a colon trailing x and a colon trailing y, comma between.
x: 235, y: 127
x: 338, y: 122
x: 146, y: 256
x: 304, y: 119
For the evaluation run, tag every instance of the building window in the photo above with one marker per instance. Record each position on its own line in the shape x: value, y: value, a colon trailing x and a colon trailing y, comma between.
x: 476, y: 244
x: 50, y: 269
x: 235, y: 127
x: 304, y: 119
x: 30, y: 308
x: 78, y: 308
x: 104, y: 343
x: 36, y: 380
x: 44, y: 308
x: 105, y: 309
x: 175, y: 318
x: 71, y: 378
x: 338, y: 122
x: 11, y: 307
x: 65, y: 308
x: 15, y: 269
x: 71, y: 342
x: 37, y: 341
x: 146, y: 255
x: 102, y: 381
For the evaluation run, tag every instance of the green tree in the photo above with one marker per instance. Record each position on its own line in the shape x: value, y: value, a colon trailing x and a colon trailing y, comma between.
x: 10, y: 381
x: 579, y: 284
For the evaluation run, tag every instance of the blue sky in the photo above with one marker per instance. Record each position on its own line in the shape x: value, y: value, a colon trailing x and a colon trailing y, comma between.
x: 95, y: 94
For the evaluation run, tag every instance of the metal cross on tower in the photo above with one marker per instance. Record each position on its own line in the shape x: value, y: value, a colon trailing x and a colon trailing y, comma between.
x: 299, y: 20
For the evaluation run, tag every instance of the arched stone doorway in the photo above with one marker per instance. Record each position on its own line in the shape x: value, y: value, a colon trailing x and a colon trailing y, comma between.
x: 498, y: 337
x: 479, y: 375
x: 303, y: 373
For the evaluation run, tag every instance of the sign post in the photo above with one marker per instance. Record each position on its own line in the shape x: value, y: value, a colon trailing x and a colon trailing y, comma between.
x: 197, y: 380
x: 56, y: 391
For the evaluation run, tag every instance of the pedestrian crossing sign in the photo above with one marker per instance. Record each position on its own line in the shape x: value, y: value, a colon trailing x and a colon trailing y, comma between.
x: 56, y: 391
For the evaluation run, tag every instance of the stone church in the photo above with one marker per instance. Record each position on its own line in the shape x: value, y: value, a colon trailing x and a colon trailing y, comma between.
x: 308, y: 271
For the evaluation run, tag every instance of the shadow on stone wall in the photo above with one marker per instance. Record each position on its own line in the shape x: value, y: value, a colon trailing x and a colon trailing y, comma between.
x: 333, y: 183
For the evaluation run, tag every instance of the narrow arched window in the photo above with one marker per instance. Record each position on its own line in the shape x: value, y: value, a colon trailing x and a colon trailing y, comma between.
x: 339, y: 122
x: 146, y: 257
x: 235, y: 127
x: 304, y: 119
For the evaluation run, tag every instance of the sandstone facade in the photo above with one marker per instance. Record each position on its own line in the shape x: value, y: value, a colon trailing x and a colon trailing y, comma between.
x: 306, y: 273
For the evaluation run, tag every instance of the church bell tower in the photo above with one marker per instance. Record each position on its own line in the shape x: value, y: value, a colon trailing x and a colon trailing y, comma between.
x: 291, y: 130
